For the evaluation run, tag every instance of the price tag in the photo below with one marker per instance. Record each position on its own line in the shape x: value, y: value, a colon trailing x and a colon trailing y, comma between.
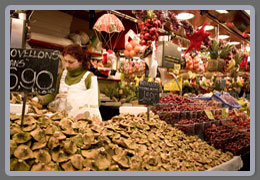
x: 33, y: 70
x: 236, y: 113
x: 148, y: 93
x: 209, y: 114
x: 225, y: 112
x: 172, y: 86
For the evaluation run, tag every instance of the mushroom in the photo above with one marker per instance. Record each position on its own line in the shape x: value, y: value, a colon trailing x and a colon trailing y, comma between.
x: 67, y: 166
x: 18, y: 165
x: 23, y: 152
x: 44, y: 121
x: 30, y: 127
x: 69, y: 132
x: 38, y: 145
x: 57, y: 116
x: 13, y: 147
x: 88, y: 139
x: 59, y: 156
x: 41, y: 167
x: 53, y: 143
x: 78, y: 140
x: 59, y: 135
x: 14, y: 117
x: 21, y: 137
x: 51, y: 129
x: 76, y: 161
x: 42, y: 156
x: 39, y: 135
x: 90, y: 154
x: 15, y: 128
x: 122, y: 160
x: 66, y: 123
x: 70, y: 147
x: 88, y: 164
x: 103, y: 161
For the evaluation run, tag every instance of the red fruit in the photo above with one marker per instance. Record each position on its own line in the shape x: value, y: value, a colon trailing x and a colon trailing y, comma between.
x: 153, y: 30
x: 141, y: 25
x: 214, y: 125
x: 147, y: 36
x: 142, y: 42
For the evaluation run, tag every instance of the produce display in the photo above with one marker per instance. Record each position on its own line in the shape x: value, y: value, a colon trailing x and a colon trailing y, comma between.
x: 126, y: 142
x: 228, y: 138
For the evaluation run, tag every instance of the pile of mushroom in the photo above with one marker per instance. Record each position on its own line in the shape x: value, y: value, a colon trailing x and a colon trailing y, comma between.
x: 124, y: 143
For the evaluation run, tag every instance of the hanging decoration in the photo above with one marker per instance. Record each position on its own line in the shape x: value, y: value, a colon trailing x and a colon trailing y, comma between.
x: 107, y: 26
x: 197, y: 38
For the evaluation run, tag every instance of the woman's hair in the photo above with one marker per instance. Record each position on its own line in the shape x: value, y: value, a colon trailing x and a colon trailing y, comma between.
x: 77, y: 52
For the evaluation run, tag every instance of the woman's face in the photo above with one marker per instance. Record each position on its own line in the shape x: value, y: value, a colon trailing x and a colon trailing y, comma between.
x: 71, y: 62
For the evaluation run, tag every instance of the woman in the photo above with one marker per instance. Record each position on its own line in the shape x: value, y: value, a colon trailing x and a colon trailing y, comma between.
x: 77, y: 91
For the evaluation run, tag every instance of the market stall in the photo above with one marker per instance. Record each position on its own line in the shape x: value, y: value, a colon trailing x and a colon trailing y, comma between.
x: 174, y: 91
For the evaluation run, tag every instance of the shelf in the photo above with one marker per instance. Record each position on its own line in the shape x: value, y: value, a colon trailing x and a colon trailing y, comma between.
x: 93, y: 53
x: 108, y: 79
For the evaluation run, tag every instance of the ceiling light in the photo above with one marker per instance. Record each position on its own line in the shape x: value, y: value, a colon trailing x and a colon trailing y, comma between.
x: 184, y: 16
x: 234, y: 43
x: 222, y: 11
x: 207, y: 27
x: 223, y: 36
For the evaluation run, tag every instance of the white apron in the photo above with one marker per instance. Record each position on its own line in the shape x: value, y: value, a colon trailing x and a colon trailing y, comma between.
x: 79, y: 100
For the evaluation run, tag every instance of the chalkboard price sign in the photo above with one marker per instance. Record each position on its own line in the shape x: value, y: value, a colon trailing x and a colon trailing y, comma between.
x: 148, y: 93
x: 33, y: 70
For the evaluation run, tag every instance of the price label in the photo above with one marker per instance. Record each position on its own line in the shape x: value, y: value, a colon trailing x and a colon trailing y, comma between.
x: 225, y: 112
x: 148, y: 93
x: 209, y: 114
x: 33, y: 70
x: 236, y: 113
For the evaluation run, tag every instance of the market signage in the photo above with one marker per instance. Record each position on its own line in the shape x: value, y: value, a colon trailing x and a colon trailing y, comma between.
x: 33, y: 70
x: 148, y: 93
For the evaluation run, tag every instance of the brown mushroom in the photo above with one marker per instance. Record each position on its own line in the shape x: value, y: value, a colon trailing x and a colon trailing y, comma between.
x: 18, y: 165
x: 23, y: 152
x: 13, y: 147
x: 76, y: 161
x: 38, y: 145
x: 59, y: 156
x: 22, y: 137
x: 67, y: 166
x: 70, y: 147
x: 66, y: 123
x: 42, y: 156
x: 30, y: 127
x: 39, y: 135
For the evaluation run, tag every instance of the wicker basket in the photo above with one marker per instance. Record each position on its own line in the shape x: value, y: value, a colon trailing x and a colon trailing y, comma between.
x: 221, y: 64
x: 212, y: 65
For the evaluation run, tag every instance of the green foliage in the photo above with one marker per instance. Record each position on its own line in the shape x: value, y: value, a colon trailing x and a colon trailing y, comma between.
x: 225, y: 51
x: 214, y: 50
x: 238, y: 58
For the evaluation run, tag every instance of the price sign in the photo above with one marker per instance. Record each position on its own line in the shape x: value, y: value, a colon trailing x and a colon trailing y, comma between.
x: 148, y: 93
x: 209, y: 114
x: 33, y: 70
x: 224, y: 112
